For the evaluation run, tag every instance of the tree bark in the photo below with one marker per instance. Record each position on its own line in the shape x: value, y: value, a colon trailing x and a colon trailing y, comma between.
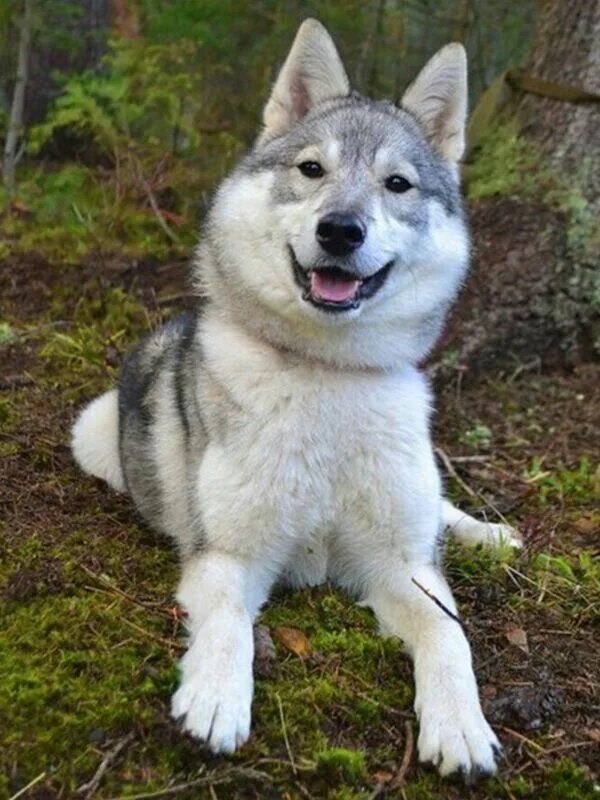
x: 15, y: 124
x: 534, y: 292
x: 567, y: 50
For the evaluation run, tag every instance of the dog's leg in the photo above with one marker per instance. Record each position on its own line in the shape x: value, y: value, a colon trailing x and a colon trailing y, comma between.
x: 471, y: 531
x: 454, y: 734
x: 221, y: 594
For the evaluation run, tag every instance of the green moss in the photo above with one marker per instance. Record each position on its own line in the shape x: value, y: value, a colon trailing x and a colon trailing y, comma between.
x: 520, y: 787
x: 70, y: 667
x: 477, y: 564
x: 7, y: 335
x: 572, y: 579
x: 505, y: 164
x: 566, y: 781
x: 344, y: 793
x: 10, y: 415
x: 580, y: 483
x: 340, y: 764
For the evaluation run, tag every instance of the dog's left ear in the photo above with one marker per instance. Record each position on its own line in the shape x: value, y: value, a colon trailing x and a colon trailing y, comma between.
x: 438, y: 99
x: 313, y: 72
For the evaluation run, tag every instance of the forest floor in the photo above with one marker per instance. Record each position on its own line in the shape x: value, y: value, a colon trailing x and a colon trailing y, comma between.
x: 90, y: 634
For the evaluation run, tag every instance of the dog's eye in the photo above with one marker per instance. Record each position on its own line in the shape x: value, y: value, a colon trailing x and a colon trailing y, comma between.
x: 311, y: 169
x: 398, y: 184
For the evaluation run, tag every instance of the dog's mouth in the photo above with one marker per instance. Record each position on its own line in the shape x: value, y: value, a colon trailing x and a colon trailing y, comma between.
x: 335, y: 289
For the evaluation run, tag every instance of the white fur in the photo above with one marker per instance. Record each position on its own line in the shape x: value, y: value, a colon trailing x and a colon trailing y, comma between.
x: 312, y: 73
x: 453, y: 732
x: 215, y: 693
x: 95, y: 440
x: 438, y: 98
x: 471, y: 531
x: 354, y: 495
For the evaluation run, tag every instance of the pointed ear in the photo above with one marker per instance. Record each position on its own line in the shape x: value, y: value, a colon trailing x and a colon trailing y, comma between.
x: 438, y: 99
x: 313, y: 72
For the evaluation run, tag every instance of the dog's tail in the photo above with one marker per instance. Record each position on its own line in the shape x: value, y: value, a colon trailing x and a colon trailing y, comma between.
x: 95, y: 440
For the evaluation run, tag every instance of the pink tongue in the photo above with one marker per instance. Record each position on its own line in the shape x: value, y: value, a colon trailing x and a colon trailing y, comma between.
x: 336, y: 290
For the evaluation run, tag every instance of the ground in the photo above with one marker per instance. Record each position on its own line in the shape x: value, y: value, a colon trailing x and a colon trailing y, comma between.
x: 90, y: 634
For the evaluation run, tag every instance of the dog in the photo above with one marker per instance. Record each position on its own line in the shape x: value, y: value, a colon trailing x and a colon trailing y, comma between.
x: 281, y: 432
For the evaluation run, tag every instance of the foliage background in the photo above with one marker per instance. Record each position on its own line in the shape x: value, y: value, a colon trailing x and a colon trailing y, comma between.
x: 139, y: 107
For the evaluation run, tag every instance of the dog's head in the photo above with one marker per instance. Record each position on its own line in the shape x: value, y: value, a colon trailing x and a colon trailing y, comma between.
x: 341, y: 234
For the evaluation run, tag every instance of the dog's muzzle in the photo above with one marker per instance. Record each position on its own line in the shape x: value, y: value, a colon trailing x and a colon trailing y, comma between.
x: 334, y: 289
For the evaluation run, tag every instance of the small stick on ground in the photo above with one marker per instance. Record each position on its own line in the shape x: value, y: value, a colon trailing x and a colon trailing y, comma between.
x: 208, y: 780
x: 29, y: 786
x: 447, y: 462
x: 409, y: 747
x: 88, y: 789
x: 285, y: 736
x: 399, y: 778
x: 437, y: 601
x: 445, y: 459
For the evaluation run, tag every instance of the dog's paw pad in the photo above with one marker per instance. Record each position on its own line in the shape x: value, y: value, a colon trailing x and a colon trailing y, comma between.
x: 218, y: 716
x: 461, y: 743
x: 212, y: 703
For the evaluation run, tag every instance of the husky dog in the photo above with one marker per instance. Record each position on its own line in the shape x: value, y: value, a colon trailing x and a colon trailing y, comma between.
x: 281, y: 432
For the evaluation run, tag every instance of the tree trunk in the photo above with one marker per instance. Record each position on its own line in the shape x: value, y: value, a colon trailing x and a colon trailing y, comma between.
x: 567, y: 50
x: 534, y: 292
x: 15, y: 124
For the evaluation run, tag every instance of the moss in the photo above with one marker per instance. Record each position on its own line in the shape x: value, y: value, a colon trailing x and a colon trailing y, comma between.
x: 340, y: 764
x: 71, y: 667
x: 479, y: 564
x: 7, y: 334
x: 566, y: 781
x: 580, y: 483
x: 505, y: 164
x: 10, y: 415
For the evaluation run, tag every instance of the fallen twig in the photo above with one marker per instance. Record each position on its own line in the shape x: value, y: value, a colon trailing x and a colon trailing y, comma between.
x: 15, y: 381
x: 437, y: 601
x: 206, y: 780
x: 398, y: 778
x: 111, y: 588
x: 88, y: 789
x: 445, y: 459
x: 523, y: 739
x: 409, y: 747
x: 285, y: 736
x: 31, y: 784
x: 447, y: 462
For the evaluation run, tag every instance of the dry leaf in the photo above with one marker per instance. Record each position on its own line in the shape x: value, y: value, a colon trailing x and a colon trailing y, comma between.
x: 518, y: 637
x: 587, y: 524
x: 294, y: 641
x: 383, y: 777
x: 593, y: 734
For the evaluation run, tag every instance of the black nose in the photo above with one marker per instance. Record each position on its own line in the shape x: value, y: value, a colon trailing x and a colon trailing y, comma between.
x: 340, y: 234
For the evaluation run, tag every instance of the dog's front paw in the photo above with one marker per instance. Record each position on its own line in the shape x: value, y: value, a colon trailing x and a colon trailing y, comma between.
x: 214, y: 698
x: 455, y: 737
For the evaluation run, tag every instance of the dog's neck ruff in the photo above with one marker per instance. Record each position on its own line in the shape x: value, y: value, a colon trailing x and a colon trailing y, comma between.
x: 296, y: 356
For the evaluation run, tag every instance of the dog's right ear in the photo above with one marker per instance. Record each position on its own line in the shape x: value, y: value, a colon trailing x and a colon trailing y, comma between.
x: 313, y: 72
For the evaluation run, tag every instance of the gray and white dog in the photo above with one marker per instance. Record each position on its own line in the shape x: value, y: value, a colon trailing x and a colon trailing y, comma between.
x: 281, y: 432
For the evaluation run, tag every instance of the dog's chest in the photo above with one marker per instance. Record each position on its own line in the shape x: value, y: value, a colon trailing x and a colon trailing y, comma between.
x: 298, y: 430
